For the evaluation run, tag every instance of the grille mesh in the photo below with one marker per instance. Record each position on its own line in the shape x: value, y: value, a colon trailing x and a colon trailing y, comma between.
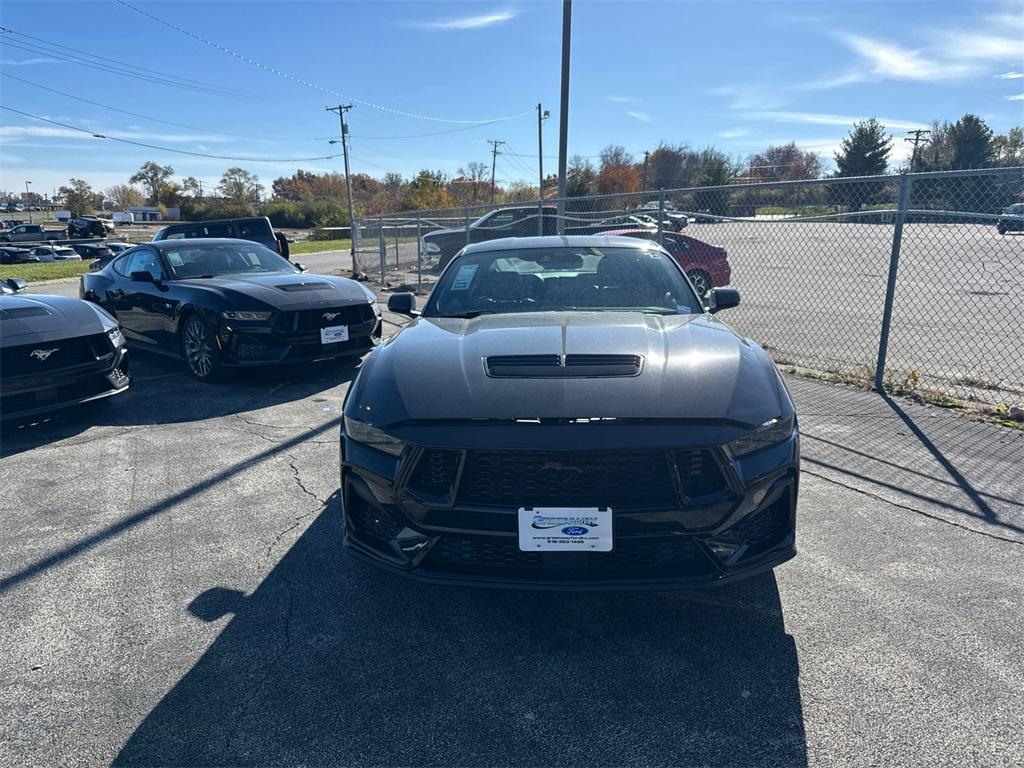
x: 435, y: 472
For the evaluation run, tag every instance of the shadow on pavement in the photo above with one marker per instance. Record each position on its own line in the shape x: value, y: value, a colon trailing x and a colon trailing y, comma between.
x: 163, y: 392
x: 332, y: 662
x: 922, y: 457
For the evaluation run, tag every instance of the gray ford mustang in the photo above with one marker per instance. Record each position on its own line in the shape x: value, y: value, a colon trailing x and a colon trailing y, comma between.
x: 565, y: 413
x: 55, y: 352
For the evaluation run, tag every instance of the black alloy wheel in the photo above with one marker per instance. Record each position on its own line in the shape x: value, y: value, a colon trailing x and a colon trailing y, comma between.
x: 199, y: 349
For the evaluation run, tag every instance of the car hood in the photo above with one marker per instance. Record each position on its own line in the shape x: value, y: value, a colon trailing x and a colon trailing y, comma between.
x: 284, y: 291
x: 694, y: 367
x: 28, y: 318
x: 438, y: 233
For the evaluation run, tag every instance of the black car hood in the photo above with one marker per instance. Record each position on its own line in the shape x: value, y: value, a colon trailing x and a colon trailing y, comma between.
x: 27, y: 318
x: 695, y: 367
x: 445, y: 233
x: 282, y: 290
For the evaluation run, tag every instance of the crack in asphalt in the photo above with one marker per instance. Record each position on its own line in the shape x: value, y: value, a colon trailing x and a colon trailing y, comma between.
x: 296, y: 521
x: 909, y: 508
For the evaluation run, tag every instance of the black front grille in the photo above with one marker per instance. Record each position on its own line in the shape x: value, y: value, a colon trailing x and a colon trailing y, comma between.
x: 368, y: 519
x: 699, y: 473
x: 51, y: 356
x: 763, y: 529
x: 622, y: 479
x: 661, y: 556
x: 435, y: 472
x: 315, y: 319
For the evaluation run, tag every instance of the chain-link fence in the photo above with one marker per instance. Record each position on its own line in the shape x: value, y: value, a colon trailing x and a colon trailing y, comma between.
x: 913, y: 283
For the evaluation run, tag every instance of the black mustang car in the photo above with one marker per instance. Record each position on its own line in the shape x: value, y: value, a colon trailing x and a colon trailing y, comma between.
x: 222, y: 303
x: 55, y: 352
x: 565, y: 413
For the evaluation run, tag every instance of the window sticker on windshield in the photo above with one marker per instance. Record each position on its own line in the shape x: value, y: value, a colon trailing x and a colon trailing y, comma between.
x: 682, y: 309
x: 464, y: 277
x: 175, y: 259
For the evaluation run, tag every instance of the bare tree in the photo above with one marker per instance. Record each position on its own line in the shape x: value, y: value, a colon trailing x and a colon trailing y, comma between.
x: 123, y: 196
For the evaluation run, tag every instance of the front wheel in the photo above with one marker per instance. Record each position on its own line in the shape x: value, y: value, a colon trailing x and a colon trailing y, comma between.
x: 1001, y: 229
x: 199, y: 348
x: 701, y: 281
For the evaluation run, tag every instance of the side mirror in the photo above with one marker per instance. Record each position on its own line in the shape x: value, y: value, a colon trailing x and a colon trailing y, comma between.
x: 143, y: 277
x: 402, y: 303
x: 17, y: 284
x: 722, y: 298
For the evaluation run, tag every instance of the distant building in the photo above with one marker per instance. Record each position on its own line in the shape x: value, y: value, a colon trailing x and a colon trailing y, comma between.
x: 152, y: 213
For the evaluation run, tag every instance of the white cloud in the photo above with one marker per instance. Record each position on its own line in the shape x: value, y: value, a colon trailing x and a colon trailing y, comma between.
x: 817, y: 118
x: 1016, y: 97
x: 469, y: 22
x: 892, y: 61
x: 643, y: 117
x: 1010, y: 76
x: 986, y: 47
x: 15, y: 132
x: 29, y: 62
x: 622, y: 99
x: 735, y: 133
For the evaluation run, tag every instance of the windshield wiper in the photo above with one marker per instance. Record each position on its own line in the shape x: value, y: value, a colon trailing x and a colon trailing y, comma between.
x: 473, y: 313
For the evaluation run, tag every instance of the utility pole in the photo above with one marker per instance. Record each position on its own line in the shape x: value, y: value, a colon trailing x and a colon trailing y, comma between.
x: 643, y: 187
x: 542, y: 115
x: 563, y: 115
x: 341, y: 109
x: 495, y: 143
x: 920, y: 137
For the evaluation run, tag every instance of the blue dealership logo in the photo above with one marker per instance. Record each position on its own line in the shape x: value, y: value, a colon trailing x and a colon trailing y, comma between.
x: 575, y: 530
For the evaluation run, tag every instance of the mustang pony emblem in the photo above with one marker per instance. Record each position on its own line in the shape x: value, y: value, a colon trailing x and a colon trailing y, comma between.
x: 42, y: 354
x: 328, y: 316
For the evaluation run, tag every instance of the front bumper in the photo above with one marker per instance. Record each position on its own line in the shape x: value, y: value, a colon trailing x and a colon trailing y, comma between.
x: 22, y: 396
x: 245, y: 347
x: 747, y: 528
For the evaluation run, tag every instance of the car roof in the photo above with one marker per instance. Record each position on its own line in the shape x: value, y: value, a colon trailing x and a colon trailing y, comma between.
x: 561, y: 241
x: 178, y: 241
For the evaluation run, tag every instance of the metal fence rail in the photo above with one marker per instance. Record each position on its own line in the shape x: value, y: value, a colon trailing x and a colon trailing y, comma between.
x: 905, y: 283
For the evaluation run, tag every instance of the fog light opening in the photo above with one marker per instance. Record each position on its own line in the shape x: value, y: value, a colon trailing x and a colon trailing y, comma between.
x: 410, y: 541
x: 728, y: 553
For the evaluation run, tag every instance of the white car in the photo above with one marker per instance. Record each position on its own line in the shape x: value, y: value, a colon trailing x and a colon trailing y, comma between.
x: 56, y: 253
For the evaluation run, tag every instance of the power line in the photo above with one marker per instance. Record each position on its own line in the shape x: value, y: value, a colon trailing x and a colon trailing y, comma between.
x: 495, y: 143
x: 169, y: 149
x: 301, y: 81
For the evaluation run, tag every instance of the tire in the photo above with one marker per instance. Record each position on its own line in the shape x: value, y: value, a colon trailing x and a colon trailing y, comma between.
x: 200, y: 350
x: 1001, y: 229
x: 701, y: 281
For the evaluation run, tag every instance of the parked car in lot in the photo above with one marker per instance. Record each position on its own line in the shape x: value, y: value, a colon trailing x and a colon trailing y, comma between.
x: 222, y: 304
x: 55, y: 352
x: 1011, y: 219
x: 565, y: 413
x: 89, y: 226
x: 706, y: 265
x: 30, y: 233
x: 117, y: 248
x: 11, y: 254
x: 96, y: 253
x: 56, y: 253
x: 255, y: 228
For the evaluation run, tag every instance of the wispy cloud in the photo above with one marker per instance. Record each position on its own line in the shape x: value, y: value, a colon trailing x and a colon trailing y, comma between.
x: 735, y: 133
x: 469, y: 22
x: 888, y: 60
x: 622, y: 99
x: 818, y: 118
x: 1016, y: 97
x: 643, y: 117
x: 1010, y: 76
x: 28, y: 62
x: 15, y: 132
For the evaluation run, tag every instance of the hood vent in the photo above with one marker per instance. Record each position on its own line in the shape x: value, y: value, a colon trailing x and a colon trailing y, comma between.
x: 553, y: 367
x: 303, y: 286
x: 19, y: 312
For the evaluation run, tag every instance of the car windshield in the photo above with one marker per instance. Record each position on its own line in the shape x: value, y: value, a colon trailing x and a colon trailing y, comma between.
x: 211, y: 259
x: 559, y: 279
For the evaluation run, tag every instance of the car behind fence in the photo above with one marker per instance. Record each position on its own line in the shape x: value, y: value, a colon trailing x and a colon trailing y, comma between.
x: 911, y: 283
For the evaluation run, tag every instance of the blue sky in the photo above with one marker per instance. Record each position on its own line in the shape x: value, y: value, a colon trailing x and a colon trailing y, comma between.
x: 739, y: 75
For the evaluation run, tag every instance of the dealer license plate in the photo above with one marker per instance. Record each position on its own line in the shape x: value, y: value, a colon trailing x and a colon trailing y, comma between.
x: 565, y: 529
x: 333, y: 334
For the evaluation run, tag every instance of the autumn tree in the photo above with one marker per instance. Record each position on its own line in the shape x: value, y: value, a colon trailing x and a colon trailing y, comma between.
x: 77, y: 196
x: 124, y: 196
x: 240, y: 189
x: 785, y: 162
x: 153, y: 177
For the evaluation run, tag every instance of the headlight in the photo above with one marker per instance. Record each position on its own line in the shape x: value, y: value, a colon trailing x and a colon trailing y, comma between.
x: 245, y: 315
x: 769, y: 433
x: 115, y: 336
x: 431, y: 247
x: 363, y: 433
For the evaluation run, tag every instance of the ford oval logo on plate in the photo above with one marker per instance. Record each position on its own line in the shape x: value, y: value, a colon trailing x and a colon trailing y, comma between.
x: 575, y: 530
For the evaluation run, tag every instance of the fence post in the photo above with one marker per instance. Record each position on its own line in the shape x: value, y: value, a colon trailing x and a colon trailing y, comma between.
x: 465, y: 215
x: 661, y: 217
x: 353, y: 233
x: 397, y: 259
x: 419, y: 256
x: 902, y: 203
x: 382, y: 244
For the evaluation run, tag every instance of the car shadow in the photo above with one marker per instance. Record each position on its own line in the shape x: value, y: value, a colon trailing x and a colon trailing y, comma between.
x: 330, y: 661
x: 163, y: 392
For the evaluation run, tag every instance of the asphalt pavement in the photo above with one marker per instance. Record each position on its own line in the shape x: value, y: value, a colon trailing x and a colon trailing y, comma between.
x: 172, y: 592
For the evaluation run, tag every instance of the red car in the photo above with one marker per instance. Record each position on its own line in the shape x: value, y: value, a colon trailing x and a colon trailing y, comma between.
x: 706, y: 265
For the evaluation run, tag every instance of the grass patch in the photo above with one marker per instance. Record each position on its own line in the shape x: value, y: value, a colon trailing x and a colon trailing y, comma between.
x: 53, y: 270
